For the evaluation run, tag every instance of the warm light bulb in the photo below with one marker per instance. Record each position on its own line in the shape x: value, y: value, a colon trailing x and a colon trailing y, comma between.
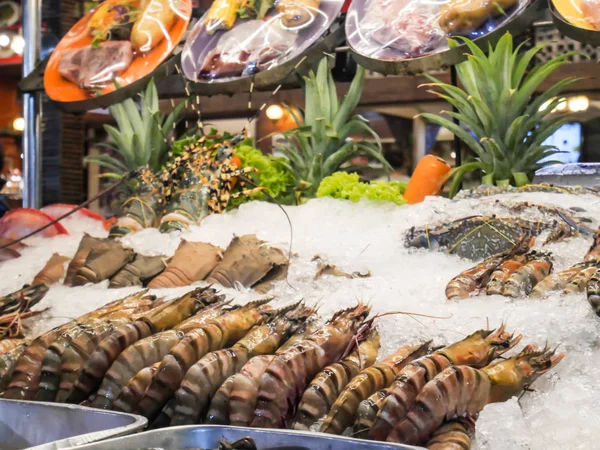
x: 561, y: 106
x: 19, y: 124
x: 579, y: 103
x: 453, y: 155
x: 4, y: 40
x: 274, y: 112
x: 18, y: 44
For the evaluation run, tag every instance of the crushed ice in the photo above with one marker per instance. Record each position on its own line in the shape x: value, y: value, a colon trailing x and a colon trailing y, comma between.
x: 562, y: 412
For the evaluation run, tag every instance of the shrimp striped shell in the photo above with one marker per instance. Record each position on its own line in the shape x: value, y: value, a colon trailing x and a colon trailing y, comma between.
x: 135, y: 389
x: 52, y: 362
x: 325, y: 388
x: 501, y: 274
x: 163, y: 317
x: 134, y: 358
x: 206, y: 376
x: 579, y: 282
x: 8, y: 344
x: 27, y: 371
x: 289, y: 373
x: 471, y: 280
x: 218, y: 413
x: 593, y: 292
x: 525, y: 279
x: 477, y: 350
x: 8, y: 361
x: 462, y: 390
x: 557, y: 281
x: 240, y: 391
x: 215, y: 335
x: 366, y: 414
x: 452, y: 435
x: 77, y: 353
x: 143, y: 354
x: 379, y: 376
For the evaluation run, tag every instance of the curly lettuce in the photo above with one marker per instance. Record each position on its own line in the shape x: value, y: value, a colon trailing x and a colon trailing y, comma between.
x: 348, y: 186
x: 273, y: 176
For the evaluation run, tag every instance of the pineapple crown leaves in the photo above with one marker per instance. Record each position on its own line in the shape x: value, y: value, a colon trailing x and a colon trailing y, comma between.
x: 140, y: 137
x: 496, y: 105
x: 321, y: 142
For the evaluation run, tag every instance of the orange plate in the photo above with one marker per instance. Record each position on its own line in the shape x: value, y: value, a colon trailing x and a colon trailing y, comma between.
x: 62, y: 90
x: 571, y: 11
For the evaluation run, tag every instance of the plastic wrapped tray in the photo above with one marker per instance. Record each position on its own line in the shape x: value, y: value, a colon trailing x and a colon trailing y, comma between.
x: 575, y: 174
x: 409, y: 37
x: 207, y: 437
x: 48, y: 426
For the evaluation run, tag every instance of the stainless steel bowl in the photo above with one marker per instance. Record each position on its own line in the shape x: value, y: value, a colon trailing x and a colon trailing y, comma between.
x: 208, y: 436
x: 49, y: 426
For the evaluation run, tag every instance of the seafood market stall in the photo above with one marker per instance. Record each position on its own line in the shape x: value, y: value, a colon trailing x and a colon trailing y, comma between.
x: 245, y: 294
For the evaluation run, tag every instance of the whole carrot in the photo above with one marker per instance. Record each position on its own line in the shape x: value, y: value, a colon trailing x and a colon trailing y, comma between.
x: 428, y: 179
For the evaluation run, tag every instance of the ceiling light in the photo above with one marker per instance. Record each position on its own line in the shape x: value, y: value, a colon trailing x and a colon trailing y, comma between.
x: 274, y: 112
x: 19, y: 124
x: 579, y: 103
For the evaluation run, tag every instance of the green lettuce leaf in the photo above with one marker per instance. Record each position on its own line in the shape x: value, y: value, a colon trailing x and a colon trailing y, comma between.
x: 348, y: 186
x: 272, y: 175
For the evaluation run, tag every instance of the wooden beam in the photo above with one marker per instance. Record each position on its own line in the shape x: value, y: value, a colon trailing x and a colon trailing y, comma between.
x: 377, y: 91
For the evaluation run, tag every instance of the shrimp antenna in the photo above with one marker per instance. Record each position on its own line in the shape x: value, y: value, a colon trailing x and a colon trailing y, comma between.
x: 109, y: 189
x: 289, y: 220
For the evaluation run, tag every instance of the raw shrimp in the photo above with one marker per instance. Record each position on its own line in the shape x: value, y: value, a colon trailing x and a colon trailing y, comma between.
x: 593, y: 292
x: 27, y: 371
x: 8, y: 344
x: 206, y: 376
x: 452, y: 435
x: 464, y: 390
x: 579, y: 282
x: 164, y: 317
x: 290, y: 372
x: 135, y: 389
x: 145, y: 353
x: 557, y: 281
x: 8, y: 361
x: 528, y: 276
x: 324, y: 390
x: 217, y: 334
x: 343, y: 412
x: 477, y: 350
x: 239, y: 392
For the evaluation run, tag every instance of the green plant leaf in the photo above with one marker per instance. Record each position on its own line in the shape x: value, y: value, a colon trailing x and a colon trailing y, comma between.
x: 106, y: 161
x: 351, y: 100
x: 463, y: 134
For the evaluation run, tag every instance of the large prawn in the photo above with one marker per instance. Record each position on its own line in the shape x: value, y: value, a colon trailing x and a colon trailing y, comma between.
x: 379, y: 376
x: 325, y: 388
x: 207, y: 375
x: 27, y: 370
x: 215, y: 335
x: 453, y: 435
x: 464, y: 391
x: 234, y: 401
x: 477, y: 350
x: 145, y: 353
x: 161, y: 318
x: 288, y: 375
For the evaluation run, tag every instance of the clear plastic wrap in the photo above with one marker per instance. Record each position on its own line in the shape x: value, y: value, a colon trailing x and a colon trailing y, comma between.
x: 581, y: 13
x: 395, y: 30
x: 119, y: 41
x: 241, y: 38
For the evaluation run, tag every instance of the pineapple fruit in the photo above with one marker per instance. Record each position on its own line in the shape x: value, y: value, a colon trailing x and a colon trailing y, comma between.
x: 497, y: 105
x: 141, y: 137
x: 320, y: 144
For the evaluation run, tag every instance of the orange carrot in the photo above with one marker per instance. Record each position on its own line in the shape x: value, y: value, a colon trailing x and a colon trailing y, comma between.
x: 428, y: 179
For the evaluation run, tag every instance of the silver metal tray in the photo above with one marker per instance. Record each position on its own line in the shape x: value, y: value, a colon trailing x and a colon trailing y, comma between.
x: 49, y: 426
x: 207, y: 437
